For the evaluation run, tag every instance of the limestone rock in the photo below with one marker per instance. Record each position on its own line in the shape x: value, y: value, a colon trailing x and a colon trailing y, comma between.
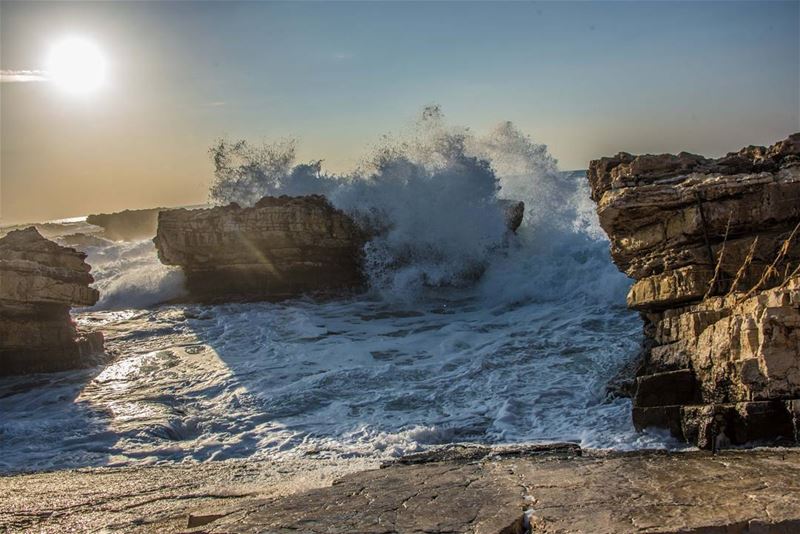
x: 127, y: 225
x: 39, y: 282
x: 713, y: 247
x: 590, y: 493
x: 281, y: 247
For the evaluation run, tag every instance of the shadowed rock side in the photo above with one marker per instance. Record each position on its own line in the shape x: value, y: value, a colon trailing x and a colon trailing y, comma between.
x: 128, y: 225
x: 279, y: 248
x: 39, y: 281
x: 713, y: 247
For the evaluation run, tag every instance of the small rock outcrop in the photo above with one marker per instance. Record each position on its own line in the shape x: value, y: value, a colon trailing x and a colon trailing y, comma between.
x: 39, y: 282
x: 128, y: 225
x: 281, y: 247
x: 713, y: 246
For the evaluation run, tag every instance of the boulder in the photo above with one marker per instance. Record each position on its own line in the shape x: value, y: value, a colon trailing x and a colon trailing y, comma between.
x: 713, y: 246
x: 39, y: 282
x: 128, y: 225
x: 281, y: 247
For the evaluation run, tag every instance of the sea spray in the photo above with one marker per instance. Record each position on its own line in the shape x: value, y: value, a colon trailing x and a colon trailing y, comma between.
x: 432, y: 194
x: 129, y: 275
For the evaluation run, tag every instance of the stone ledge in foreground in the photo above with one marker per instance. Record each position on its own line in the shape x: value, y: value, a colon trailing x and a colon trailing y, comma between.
x: 460, y: 488
x: 593, y: 493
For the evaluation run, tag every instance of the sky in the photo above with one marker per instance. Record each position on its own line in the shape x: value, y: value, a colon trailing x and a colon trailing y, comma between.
x: 587, y: 79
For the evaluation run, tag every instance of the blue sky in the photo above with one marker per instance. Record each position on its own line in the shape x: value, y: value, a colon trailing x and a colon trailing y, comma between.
x: 588, y: 79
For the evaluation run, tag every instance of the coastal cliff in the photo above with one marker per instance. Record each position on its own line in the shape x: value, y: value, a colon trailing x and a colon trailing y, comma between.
x: 39, y: 282
x: 278, y: 248
x: 713, y: 246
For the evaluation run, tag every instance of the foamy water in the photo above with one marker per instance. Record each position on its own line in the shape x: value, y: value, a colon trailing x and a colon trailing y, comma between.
x: 424, y: 358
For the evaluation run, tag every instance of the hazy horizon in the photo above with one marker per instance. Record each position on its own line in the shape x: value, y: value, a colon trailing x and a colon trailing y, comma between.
x: 587, y: 79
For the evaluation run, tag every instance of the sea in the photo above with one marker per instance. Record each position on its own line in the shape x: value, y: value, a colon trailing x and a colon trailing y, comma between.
x: 430, y: 354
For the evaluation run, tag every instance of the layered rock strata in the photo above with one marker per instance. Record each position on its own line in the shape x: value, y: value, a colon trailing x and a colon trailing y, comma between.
x: 713, y: 246
x: 39, y: 282
x: 281, y: 247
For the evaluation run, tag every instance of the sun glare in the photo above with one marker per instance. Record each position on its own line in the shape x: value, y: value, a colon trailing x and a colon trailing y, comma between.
x: 77, y: 65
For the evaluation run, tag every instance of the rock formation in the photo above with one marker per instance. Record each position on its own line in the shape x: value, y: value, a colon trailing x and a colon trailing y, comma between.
x: 281, y: 247
x: 39, y: 281
x: 467, y: 490
x: 713, y: 247
x: 128, y: 225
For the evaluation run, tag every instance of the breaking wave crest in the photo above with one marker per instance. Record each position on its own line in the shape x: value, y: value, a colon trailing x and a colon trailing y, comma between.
x: 129, y: 275
x: 434, y: 195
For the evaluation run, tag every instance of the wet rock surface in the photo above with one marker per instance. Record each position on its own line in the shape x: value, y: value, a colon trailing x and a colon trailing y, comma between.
x: 713, y: 247
x: 597, y: 493
x: 39, y: 282
x: 279, y: 248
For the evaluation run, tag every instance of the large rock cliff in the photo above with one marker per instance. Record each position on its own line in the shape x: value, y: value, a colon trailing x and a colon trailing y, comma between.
x: 713, y: 246
x: 39, y: 282
x: 280, y: 247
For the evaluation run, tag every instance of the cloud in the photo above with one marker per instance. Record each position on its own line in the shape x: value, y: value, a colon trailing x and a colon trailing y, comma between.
x: 216, y: 104
x: 342, y: 56
x: 23, y: 76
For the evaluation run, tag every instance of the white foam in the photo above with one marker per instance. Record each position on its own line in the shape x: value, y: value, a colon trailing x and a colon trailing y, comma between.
x: 129, y: 275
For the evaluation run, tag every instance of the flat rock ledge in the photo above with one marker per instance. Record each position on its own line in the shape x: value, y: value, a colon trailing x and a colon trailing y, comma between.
x: 713, y: 246
x: 39, y: 282
x: 472, y: 491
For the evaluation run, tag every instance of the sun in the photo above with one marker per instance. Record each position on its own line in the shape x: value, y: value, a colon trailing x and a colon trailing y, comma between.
x: 77, y: 65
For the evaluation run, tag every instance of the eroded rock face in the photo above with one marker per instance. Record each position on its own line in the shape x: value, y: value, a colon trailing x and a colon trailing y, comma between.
x: 127, y: 225
x: 281, y: 247
x: 39, y: 282
x: 713, y: 247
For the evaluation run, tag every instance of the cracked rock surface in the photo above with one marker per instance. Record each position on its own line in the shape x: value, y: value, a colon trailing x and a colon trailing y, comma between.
x: 465, y: 490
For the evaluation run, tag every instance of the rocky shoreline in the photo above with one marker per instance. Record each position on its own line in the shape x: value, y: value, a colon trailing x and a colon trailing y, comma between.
x: 713, y: 247
x: 480, y: 490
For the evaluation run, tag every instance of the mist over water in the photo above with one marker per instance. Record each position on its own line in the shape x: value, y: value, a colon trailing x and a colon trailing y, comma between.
x: 428, y: 356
